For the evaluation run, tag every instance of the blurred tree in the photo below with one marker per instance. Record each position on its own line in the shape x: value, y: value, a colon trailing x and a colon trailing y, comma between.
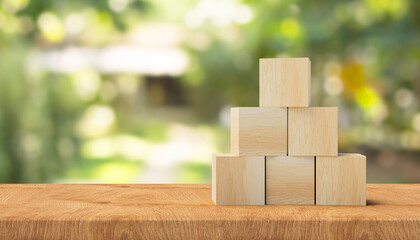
x: 364, y: 57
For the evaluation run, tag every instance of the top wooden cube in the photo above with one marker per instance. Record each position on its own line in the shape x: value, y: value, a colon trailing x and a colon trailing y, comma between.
x: 285, y: 82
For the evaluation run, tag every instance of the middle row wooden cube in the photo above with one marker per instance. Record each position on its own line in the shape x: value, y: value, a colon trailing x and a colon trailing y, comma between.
x: 257, y: 131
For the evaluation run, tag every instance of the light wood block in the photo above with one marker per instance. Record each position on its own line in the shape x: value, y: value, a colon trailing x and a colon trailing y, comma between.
x: 238, y: 180
x: 285, y: 82
x: 313, y: 131
x: 341, y: 180
x: 258, y: 131
x: 290, y: 180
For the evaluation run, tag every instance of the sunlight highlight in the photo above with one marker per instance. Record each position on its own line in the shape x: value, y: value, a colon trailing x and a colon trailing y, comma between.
x: 51, y: 27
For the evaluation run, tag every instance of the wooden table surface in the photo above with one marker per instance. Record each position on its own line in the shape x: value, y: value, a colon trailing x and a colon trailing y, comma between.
x: 187, y: 212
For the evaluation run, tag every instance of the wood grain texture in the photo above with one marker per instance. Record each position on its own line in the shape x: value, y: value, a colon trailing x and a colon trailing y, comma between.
x: 290, y: 180
x: 187, y: 212
x: 238, y: 180
x: 285, y: 82
x: 313, y: 131
x: 258, y: 131
x: 341, y: 180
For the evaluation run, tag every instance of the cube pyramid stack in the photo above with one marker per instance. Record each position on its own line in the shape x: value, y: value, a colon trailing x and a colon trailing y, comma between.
x: 284, y: 151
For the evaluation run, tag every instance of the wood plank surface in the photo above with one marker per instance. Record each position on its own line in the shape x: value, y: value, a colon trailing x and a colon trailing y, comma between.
x: 187, y: 212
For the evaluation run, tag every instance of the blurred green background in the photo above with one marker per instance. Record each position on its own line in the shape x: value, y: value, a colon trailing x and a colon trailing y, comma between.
x: 130, y: 91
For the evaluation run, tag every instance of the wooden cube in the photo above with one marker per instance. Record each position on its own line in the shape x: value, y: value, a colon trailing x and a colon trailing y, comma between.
x: 313, y: 131
x: 341, y: 180
x: 290, y: 180
x: 238, y: 180
x: 258, y: 131
x: 285, y: 82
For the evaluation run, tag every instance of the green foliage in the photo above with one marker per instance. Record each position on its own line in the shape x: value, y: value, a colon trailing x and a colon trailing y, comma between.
x: 364, y: 57
x: 194, y: 172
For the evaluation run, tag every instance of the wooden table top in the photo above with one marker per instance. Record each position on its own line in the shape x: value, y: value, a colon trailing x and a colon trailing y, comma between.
x: 187, y: 212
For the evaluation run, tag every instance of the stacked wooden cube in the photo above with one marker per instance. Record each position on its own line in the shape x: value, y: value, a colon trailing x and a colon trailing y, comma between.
x: 284, y: 151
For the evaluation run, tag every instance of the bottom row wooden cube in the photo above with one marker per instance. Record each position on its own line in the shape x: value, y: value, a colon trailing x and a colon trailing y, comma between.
x: 290, y: 180
x: 341, y: 180
x: 238, y: 180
